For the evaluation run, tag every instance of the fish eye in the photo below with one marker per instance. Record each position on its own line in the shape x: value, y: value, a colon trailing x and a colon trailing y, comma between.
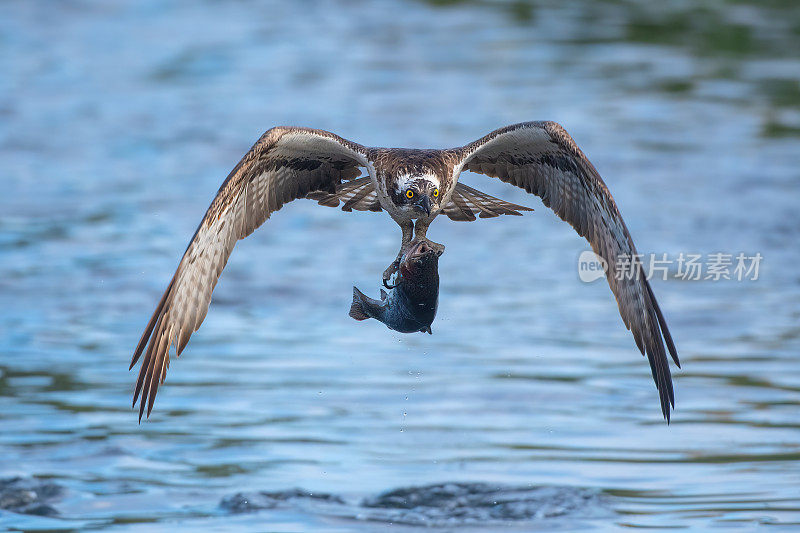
x: 435, y: 193
x: 409, y: 194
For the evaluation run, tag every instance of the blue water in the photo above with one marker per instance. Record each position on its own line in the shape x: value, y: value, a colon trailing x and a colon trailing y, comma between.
x: 118, y: 121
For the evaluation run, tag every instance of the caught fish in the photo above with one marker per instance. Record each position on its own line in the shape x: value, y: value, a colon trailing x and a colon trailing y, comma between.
x: 411, y: 304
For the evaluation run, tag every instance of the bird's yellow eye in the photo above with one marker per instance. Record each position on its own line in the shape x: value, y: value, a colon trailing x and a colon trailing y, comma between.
x: 435, y: 193
x: 409, y: 194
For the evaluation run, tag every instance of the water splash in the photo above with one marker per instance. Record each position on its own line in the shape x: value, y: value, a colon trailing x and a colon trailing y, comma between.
x: 29, y: 496
x: 445, y: 504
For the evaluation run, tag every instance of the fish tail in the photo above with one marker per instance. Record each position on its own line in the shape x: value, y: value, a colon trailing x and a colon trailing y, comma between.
x: 357, y: 307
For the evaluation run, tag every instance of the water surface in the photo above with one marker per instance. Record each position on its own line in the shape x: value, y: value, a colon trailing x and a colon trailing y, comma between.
x: 119, y: 121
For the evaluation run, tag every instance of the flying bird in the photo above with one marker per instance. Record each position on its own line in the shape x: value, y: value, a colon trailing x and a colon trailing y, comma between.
x: 413, y: 186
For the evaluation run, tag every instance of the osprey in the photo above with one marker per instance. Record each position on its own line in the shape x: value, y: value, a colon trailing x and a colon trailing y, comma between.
x: 413, y: 187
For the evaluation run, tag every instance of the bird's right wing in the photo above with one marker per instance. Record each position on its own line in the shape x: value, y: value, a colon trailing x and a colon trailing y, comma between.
x: 358, y: 194
x: 285, y: 164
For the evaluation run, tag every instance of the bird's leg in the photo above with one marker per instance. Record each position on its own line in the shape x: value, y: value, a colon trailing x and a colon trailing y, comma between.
x: 420, y: 229
x: 408, y: 233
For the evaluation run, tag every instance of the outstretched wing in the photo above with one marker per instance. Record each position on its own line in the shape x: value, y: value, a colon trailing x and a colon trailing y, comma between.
x: 284, y: 164
x: 466, y: 202
x: 358, y: 194
x: 542, y: 158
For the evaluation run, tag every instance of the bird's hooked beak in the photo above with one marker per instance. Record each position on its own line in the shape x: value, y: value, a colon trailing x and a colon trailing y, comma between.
x: 424, y: 204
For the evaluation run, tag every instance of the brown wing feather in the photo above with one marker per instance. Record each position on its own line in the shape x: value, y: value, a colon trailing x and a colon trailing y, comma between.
x: 466, y: 202
x: 542, y: 158
x: 359, y: 194
x: 283, y: 165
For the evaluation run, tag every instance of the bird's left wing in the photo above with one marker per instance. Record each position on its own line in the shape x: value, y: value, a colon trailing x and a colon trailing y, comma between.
x: 285, y: 164
x: 465, y: 202
x: 542, y: 158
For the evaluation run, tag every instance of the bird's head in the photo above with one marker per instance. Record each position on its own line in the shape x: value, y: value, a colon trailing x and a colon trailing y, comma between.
x: 418, y: 194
